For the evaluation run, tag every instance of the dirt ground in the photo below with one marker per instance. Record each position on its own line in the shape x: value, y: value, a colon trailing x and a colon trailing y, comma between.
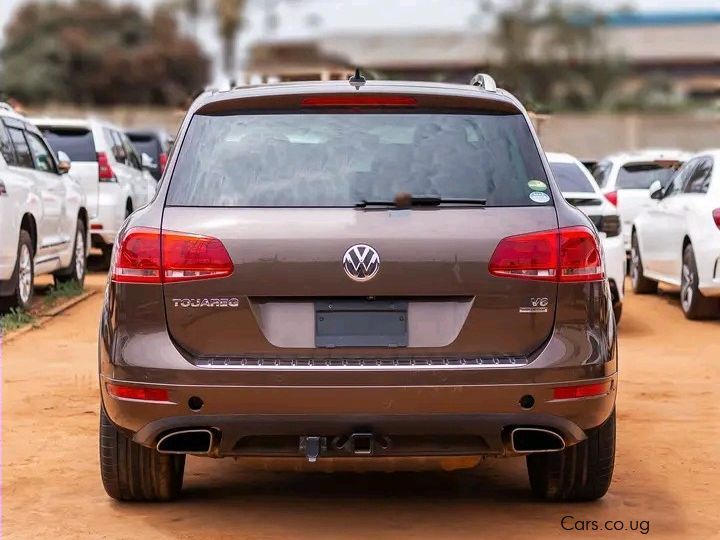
x: 667, y: 468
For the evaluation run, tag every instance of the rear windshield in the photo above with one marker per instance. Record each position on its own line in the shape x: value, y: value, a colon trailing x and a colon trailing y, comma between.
x: 340, y: 159
x: 77, y: 143
x: 145, y: 144
x: 570, y: 177
x: 642, y: 175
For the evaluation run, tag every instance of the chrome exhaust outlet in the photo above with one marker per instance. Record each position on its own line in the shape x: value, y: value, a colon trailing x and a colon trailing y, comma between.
x: 187, y: 441
x: 529, y: 440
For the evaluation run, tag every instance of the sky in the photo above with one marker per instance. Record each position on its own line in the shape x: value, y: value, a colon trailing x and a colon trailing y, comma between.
x: 384, y: 14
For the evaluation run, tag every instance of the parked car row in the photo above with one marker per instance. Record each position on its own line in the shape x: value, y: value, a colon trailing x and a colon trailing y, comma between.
x: 667, y: 205
x: 580, y: 189
x: 65, y: 184
x: 676, y: 240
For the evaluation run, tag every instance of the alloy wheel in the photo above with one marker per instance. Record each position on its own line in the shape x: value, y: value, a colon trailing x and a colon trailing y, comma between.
x: 79, y: 256
x: 634, y: 264
x: 686, y: 287
x: 25, y: 277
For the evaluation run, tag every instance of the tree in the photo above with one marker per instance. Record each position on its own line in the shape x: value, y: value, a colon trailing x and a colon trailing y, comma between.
x: 551, y: 54
x: 229, y: 14
x: 91, y: 52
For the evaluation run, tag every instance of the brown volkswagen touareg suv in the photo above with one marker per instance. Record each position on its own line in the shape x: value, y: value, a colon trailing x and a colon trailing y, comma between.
x: 358, y: 269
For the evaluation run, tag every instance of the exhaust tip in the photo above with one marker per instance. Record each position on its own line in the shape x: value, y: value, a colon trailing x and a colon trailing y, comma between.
x: 527, y: 440
x: 187, y: 441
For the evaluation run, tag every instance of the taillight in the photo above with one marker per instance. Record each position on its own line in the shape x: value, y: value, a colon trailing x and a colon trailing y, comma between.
x: 716, y: 217
x: 147, y: 255
x: 581, y: 391
x: 571, y: 254
x: 162, y: 161
x: 360, y: 100
x: 612, y: 197
x: 3, y: 189
x: 138, y: 392
x: 105, y: 172
x: 188, y: 257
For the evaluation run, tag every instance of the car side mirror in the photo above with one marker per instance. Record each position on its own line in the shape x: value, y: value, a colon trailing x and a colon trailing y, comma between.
x: 148, y: 162
x: 656, y: 190
x: 64, y: 162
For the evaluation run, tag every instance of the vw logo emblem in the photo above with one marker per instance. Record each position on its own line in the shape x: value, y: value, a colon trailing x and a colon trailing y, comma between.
x: 361, y: 262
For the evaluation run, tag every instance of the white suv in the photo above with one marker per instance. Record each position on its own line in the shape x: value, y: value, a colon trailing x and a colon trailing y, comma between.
x: 43, y: 218
x: 109, y: 168
x: 580, y: 189
x: 625, y: 178
x: 677, y: 240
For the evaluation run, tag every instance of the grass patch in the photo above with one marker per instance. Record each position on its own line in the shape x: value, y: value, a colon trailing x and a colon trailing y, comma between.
x: 62, y: 290
x: 15, y: 319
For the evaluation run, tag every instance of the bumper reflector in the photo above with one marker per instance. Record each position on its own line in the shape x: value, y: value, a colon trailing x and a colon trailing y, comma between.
x: 581, y: 391
x: 138, y: 392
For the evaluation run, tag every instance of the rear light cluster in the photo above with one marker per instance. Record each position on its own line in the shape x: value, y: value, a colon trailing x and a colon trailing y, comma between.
x: 105, y: 172
x: 612, y: 197
x: 570, y: 254
x: 716, y: 217
x: 162, y: 161
x: 146, y: 255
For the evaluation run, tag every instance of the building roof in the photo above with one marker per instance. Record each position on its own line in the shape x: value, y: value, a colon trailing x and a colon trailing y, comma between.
x: 686, y: 43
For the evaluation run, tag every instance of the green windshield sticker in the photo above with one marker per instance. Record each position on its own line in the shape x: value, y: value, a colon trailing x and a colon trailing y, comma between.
x: 537, y: 185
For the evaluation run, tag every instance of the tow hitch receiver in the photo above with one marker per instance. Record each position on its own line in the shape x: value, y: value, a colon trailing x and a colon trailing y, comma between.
x: 311, y: 447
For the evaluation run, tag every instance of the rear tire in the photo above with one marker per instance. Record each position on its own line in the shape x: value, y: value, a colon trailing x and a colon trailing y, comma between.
x: 131, y: 472
x: 78, y: 264
x: 617, y: 310
x: 582, y: 472
x: 23, y: 276
x: 693, y: 303
x: 640, y: 284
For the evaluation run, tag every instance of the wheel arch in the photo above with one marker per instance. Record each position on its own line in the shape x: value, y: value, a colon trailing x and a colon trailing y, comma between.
x: 686, y: 242
x: 83, y: 216
x: 27, y: 223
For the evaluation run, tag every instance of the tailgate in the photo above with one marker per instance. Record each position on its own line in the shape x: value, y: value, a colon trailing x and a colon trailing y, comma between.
x: 290, y: 261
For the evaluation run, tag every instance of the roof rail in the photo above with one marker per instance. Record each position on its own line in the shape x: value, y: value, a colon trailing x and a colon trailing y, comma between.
x: 484, y: 81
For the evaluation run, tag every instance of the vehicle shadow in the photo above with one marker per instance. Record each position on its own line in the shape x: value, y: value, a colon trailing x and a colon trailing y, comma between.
x: 671, y: 297
x: 491, y: 500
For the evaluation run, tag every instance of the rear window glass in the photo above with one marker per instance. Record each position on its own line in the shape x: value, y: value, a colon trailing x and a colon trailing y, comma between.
x: 77, y: 143
x: 340, y: 159
x: 642, y: 175
x: 570, y: 177
x: 145, y: 144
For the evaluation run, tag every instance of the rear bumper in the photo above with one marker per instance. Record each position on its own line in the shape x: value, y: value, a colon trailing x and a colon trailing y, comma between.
x: 438, y: 419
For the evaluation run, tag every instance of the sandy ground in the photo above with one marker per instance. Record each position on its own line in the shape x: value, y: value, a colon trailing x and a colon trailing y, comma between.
x: 667, y: 469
